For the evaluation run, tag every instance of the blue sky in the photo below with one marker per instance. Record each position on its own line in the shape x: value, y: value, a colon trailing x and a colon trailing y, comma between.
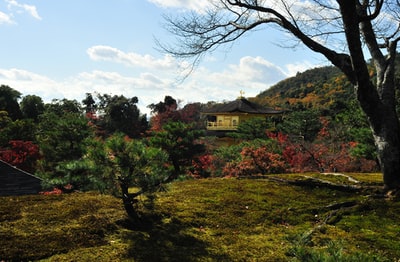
x: 64, y: 49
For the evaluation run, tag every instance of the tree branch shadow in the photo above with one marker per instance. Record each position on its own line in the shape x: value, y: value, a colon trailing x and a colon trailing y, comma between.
x: 167, y: 240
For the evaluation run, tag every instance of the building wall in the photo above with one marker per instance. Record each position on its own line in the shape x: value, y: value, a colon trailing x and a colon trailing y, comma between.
x: 229, y: 121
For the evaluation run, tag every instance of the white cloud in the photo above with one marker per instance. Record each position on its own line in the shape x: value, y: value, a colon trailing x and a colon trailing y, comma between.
x: 113, y: 81
x: 146, y: 86
x: 30, y: 9
x: 251, y: 74
x: 30, y: 83
x: 293, y: 69
x: 20, y: 75
x: 257, y: 69
x: 5, y: 18
x: 198, y: 6
x: 111, y: 54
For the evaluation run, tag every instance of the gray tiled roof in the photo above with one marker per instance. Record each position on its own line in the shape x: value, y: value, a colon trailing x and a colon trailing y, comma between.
x: 14, y: 181
x: 241, y: 105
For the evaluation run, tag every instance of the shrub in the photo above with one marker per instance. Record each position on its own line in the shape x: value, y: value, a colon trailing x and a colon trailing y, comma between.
x: 256, y: 157
x: 203, y: 166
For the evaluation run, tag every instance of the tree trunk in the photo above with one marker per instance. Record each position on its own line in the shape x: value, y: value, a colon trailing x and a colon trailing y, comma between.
x: 128, y: 202
x: 385, y: 125
x: 377, y: 101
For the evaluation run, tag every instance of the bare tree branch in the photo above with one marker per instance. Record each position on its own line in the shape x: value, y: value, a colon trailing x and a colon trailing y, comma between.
x: 370, y: 9
x: 362, y: 22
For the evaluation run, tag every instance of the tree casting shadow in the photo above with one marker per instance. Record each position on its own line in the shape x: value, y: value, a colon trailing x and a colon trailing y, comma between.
x: 167, y: 241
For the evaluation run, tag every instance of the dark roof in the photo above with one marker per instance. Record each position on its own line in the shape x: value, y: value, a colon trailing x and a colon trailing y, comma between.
x: 241, y: 105
x: 14, y: 181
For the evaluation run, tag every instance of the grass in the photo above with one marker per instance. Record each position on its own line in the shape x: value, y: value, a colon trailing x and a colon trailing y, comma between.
x: 206, y: 220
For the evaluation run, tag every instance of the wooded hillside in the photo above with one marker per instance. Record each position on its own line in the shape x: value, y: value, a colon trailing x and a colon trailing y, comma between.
x: 318, y: 88
x: 322, y: 88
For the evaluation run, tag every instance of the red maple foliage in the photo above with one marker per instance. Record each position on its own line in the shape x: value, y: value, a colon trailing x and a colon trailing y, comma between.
x: 55, y: 191
x: 324, y: 154
x: 255, y: 160
x: 203, y: 166
x: 188, y: 114
x: 22, y: 154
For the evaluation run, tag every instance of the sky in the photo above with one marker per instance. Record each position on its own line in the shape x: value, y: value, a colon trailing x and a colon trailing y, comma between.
x: 65, y: 49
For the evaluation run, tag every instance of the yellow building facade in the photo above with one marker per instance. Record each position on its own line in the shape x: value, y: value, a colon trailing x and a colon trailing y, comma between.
x: 228, y: 116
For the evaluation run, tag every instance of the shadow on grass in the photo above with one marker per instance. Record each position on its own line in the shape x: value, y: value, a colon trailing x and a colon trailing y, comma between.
x: 158, y: 240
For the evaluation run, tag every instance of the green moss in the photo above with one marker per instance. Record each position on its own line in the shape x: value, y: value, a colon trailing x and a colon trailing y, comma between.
x: 46, y: 225
x: 204, y: 220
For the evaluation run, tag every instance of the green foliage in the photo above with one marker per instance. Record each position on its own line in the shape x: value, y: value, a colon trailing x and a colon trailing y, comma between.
x: 60, y: 107
x: 303, y: 124
x: 61, y: 139
x: 303, y: 250
x: 225, y: 154
x: 365, y: 144
x: 98, y: 163
x: 123, y: 165
x: 32, y: 106
x: 20, y: 129
x: 327, y: 92
x: 140, y: 166
x: 89, y: 103
x: 359, y: 132
x: 119, y: 114
x: 76, y: 175
x: 251, y: 129
x: 9, y: 102
x: 180, y: 141
x: 294, y: 86
x: 5, y: 119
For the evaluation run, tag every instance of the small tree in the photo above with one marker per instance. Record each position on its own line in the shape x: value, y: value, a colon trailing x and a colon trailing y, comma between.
x: 61, y: 136
x: 181, y: 143
x: 122, y: 164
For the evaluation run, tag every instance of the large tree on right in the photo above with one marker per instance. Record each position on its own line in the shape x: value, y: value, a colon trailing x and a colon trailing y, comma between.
x: 348, y: 33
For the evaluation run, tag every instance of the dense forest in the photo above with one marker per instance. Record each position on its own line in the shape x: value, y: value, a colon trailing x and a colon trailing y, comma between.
x: 105, y: 143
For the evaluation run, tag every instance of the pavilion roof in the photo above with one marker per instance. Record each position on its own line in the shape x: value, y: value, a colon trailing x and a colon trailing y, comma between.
x: 241, y: 105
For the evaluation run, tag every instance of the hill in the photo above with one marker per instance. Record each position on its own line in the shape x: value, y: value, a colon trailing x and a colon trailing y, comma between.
x: 318, y: 88
x: 322, y: 88
x: 317, y: 76
x: 208, y: 220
